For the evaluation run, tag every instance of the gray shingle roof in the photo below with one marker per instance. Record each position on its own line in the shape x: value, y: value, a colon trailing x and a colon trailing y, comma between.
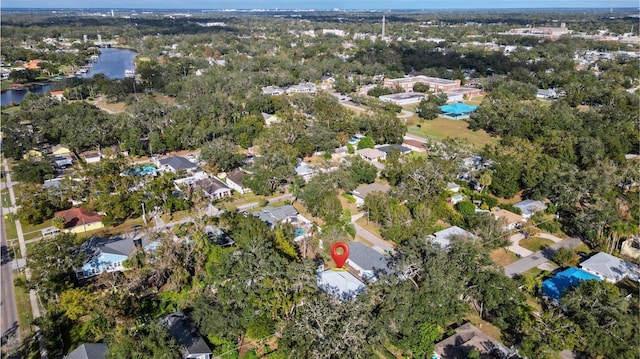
x: 117, y: 245
x: 178, y: 163
x: 180, y: 328
x: 611, y: 268
x: 368, y: 259
x: 365, y: 190
x: 89, y: 351
x: 273, y: 215
x: 387, y: 148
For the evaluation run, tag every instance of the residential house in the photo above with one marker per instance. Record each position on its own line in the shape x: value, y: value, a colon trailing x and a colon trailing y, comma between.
x: 34, y: 154
x: 304, y: 87
x: 529, y: 207
x: 92, y: 157
x: 60, y: 150
x: 305, y: 171
x: 611, y: 268
x: 415, y: 145
x: 274, y: 215
x: 372, y: 154
x: 58, y: 95
x: 367, y: 262
x: 555, y: 287
x: 547, y: 94
x: 388, y: 148
x: 89, y: 351
x: 468, y: 338
x: 273, y: 91
x: 340, y: 152
x: 212, y: 188
x: 234, y: 178
x: 339, y: 284
x: 63, y: 161
x: 104, y: 255
x: 178, y: 163
x: 80, y: 220
x: 327, y: 82
x: 192, y: 343
x: 362, y: 191
x: 218, y: 236
x: 511, y: 220
x: 452, y: 187
x: 455, y: 199
x: 444, y: 237
x: 270, y: 119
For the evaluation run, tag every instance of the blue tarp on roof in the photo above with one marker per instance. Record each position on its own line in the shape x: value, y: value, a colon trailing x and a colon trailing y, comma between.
x: 556, y: 286
x: 457, y: 109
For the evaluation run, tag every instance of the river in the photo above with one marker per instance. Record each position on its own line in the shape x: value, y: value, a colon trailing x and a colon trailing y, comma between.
x: 112, y: 63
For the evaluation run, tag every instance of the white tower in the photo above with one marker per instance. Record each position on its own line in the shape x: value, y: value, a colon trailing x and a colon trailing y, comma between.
x: 383, y: 26
x: 111, y: 12
x: 84, y: 37
x: 99, y: 39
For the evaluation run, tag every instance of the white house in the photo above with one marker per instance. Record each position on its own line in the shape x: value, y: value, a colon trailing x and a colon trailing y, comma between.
x: 529, y: 207
x: 371, y: 154
x: 273, y: 91
x: 339, y: 284
x: 444, y: 237
x: 610, y: 268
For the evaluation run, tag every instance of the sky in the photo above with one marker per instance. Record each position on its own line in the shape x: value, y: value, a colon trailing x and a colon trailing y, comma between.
x: 318, y: 4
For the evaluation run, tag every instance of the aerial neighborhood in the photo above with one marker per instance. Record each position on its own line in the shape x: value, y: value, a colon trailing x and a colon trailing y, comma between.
x: 174, y: 184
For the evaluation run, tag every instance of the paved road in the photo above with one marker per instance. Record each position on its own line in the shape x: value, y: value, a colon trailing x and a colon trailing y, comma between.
x: 539, y: 257
x: 8, y: 308
x: 379, y: 245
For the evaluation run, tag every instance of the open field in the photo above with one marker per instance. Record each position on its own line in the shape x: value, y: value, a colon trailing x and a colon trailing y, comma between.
x: 116, y: 107
x: 442, y: 128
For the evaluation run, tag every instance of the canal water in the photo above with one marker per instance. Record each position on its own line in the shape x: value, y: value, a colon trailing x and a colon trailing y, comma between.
x: 112, y: 62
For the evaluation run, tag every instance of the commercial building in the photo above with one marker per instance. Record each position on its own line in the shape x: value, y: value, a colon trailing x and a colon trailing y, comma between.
x: 435, y: 83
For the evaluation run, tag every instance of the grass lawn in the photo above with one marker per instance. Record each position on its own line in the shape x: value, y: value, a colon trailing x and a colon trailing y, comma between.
x: 10, y: 224
x: 113, y: 107
x: 6, y: 199
x: 348, y: 205
x: 474, y: 318
x: 442, y: 128
x: 503, y: 257
x: 535, y: 243
x: 303, y: 211
x: 25, y: 316
x: 29, y: 229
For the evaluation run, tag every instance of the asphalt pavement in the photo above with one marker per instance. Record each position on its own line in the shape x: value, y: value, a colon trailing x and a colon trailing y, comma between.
x: 8, y: 308
x: 539, y: 257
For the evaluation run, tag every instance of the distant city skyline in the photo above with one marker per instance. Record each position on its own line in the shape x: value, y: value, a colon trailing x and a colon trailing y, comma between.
x: 318, y: 4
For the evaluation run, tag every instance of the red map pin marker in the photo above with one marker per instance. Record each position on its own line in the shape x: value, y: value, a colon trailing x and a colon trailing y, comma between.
x: 340, y: 258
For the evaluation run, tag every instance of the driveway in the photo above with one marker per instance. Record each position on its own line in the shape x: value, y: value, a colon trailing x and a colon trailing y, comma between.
x: 515, y: 245
x: 539, y: 257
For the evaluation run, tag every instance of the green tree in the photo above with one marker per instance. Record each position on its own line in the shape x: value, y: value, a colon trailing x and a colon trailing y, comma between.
x: 151, y: 341
x: 32, y: 171
x: 365, y: 142
x: 563, y: 257
x: 421, y: 87
x: 466, y: 208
